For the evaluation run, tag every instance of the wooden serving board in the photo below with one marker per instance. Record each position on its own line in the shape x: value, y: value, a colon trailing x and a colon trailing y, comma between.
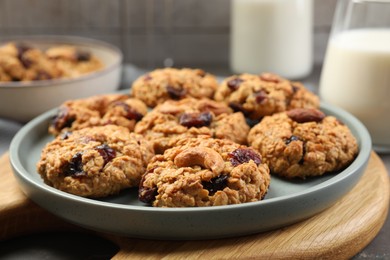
x: 339, y: 232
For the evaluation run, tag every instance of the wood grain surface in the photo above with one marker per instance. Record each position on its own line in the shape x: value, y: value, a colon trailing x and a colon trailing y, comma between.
x: 339, y: 232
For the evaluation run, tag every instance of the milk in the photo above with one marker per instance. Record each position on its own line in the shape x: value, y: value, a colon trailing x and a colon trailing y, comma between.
x: 273, y: 36
x: 356, y: 77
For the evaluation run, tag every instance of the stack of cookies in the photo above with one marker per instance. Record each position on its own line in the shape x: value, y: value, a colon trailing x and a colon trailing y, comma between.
x: 186, y: 140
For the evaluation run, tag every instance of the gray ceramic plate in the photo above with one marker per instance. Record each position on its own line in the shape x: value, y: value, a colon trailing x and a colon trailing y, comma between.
x: 287, y: 202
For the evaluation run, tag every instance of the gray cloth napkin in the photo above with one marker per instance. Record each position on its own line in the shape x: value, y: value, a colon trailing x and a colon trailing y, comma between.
x: 7, y: 131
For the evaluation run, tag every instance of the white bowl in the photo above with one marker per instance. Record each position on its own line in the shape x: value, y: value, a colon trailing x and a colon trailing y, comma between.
x: 22, y: 101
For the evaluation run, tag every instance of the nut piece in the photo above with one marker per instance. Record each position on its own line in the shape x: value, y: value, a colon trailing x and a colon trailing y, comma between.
x: 202, y: 156
x: 270, y: 77
x: 216, y: 107
x: 169, y: 108
x: 303, y: 115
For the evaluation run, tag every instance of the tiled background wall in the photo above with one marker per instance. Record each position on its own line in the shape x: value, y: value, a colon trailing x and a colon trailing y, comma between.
x: 191, y: 32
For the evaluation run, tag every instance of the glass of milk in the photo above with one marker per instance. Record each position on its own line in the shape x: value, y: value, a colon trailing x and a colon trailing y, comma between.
x: 272, y: 36
x: 356, y: 69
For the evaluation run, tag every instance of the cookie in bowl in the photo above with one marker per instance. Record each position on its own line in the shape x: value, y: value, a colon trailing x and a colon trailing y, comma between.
x: 160, y: 85
x: 260, y: 95
x: 24, y: 62
x: 95, y: 162
x: 73, y: 62
x: 301, y: 142
x: 201, y: 172
x: 108, y: 109
x: 191, y: 117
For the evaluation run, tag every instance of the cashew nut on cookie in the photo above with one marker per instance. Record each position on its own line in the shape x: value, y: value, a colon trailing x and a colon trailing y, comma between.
x: 202, y: 156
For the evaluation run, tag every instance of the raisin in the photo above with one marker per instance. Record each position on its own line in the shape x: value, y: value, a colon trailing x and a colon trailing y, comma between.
x: 63, y: 119
x: 22, y: 49
x: 196, y: 119
x: 235, y: 83
x: 106, y: 152
x: 145, y: 194
x: 131, y: 113
x: 176, y: 93
x: 260, y: 96
x: 302, y: 160
x: 215, y: 184
x: 42, y: 75
x: 237, y: 107
x: 294, y: 88
x: 83, y: 55
x: 74, y: 167
x: 26, y: 62
x: 244, y: 155
x: 291, y: 139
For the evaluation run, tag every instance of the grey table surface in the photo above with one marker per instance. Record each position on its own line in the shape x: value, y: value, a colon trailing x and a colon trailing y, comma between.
x: 41, y: 247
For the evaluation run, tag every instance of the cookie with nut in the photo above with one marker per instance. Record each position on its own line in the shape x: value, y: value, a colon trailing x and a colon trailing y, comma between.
x: 262, y: 95
x: 201, y: 171
x: 303, y: 142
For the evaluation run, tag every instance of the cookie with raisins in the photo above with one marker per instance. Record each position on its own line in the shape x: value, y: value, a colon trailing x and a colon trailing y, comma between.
x: 109, y: 109
x: 200, y: 172
x: 22, y: 62
x: 73, y: 62
x: 303, y: 142
x: 260, y: 95
x: 160, y: 85
x: 95, y: 162
x: 25, y: 62
x: 191, y: 117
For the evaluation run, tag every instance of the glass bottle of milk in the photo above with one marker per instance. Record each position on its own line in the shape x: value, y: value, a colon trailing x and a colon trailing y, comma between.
x: 272, y: 36
x: 356, y: 70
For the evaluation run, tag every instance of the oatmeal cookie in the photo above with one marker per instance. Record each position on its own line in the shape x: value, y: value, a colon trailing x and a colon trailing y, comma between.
x: 303, y: 142
x: 201, y: 172
x: 23, y: 62
x: 73, y: 62
x: 116, y: 109
x: 261, y: 95
x: 4, y: 76
x: 191, y: 117
x: 95, y: 162
x: 160, y: 85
